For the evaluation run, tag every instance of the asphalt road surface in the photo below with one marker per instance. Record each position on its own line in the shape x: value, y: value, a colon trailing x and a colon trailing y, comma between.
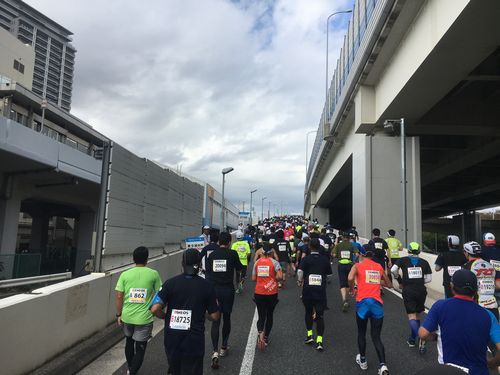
x: 286, y: 353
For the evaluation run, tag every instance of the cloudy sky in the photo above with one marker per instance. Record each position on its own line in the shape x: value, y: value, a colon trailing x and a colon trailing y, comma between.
x: 206, y: 84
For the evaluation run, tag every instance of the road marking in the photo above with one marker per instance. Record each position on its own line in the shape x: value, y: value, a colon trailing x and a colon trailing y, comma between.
x: 114, y: 358
x: 248, y: 357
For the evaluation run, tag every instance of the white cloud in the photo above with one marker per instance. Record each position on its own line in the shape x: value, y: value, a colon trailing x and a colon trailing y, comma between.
x: 206, y: 84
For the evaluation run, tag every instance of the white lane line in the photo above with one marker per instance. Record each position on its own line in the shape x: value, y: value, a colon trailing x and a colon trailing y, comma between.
x: 248, y: 357
x: 111, y: 360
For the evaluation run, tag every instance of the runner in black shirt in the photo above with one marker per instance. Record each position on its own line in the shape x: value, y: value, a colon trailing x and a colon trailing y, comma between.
x: 221, y: 266
x: 207, y: 250
x: 312, y: 274
x: 450, y: 261
x: 380, y: 247
x: 283, y: 249
x: 187, y: 298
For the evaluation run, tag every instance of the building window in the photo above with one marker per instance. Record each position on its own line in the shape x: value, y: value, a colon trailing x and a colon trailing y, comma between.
x: 19, y: 67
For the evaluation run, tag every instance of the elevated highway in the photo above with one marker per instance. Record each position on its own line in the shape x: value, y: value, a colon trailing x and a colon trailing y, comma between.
x: 434, y: 64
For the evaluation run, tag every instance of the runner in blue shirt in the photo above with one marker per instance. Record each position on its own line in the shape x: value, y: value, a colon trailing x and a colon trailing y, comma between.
x: 463, y: 328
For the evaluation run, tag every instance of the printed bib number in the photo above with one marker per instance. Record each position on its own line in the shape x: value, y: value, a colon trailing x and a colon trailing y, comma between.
x: 137, y: 295
x: 495, y: 264
x: 345, y: 254
x: 372, y: 277
x: 220, y: 265
x: 415, y: 273
x: 378, y: 245
x: 180, y: 319
x: 486, y: 286
x: 262, y: 271
x: 315, y: 280
x: 282, y: 247
x: 242, y: 249
x: 453, y: 269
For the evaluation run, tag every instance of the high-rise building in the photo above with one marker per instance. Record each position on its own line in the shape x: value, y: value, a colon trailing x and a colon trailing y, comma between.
x: 54, y: 54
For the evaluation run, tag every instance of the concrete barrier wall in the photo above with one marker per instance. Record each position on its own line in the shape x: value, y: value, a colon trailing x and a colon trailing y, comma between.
x: 37, y: 327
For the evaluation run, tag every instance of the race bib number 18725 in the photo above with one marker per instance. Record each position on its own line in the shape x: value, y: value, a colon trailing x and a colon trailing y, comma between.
x: 180, y: 319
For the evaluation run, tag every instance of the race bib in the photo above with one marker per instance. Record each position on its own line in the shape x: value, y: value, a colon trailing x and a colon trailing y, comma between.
x: 486, y: 286
x: 282, y: 247
x: 242, y: 249
x: 378, y: 245
x: 495, y: 264
x: 262, y: 271
x: 220, y: 265
x: 372, y: 277
x: 180, y: 319
x: 137, y: 295
x: 394, y: 253
x: 415, y: 273
x: 345, y: 254
x: 453, y: 269
x: 315, y: 280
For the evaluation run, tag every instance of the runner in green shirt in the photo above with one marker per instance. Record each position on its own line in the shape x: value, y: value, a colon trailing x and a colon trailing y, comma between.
x: 242, y: 248
x: 135, y: 290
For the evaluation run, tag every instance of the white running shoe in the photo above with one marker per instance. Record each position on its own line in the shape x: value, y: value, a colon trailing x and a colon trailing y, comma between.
x: 223, y: 351
x: 215, y: 360
x: 383, y: 370
x: 362, y: 365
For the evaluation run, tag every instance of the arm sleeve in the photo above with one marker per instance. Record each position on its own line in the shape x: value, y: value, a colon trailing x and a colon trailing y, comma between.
x: 431, y: 320
x: 427, y: 278
x: 119, y: 285
x: 277, y: 265
x: 395, y: 270
x: 161, y: 296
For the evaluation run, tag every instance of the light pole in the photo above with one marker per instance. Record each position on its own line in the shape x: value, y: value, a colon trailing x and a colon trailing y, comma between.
x: 225, y: 171
x: 307, y: 146
x: 262, y: 212
x: 251, y: 194
x: 327, y: 96
x: 389, y: 125
x: 268, y: 209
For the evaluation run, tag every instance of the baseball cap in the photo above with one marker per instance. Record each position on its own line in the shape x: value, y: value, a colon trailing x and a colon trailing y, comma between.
x: 464, y: 279
x: 453, y: 240
x: 206, y: 227
x: 489, y: 239
x: 368, y: 249
x: 239, y: 235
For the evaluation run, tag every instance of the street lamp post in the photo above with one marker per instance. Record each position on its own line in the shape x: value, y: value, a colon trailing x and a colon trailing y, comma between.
x: 225, y: 171
x: 269, y: 209
x: 262, y: 212
x: 327, y: 96
x: 251, y: 216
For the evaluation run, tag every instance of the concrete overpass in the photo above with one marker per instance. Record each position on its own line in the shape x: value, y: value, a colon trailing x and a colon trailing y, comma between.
x: 435, y: 63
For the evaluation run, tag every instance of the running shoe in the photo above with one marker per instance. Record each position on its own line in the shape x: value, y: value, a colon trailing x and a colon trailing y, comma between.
x: 411, y: 342
x: 261, y: 345
x: 280, y: 285
x: 309, y: 340
x: 345, y: 306
x: 223, y: 351
x: 363, y: 365
x: 238, y: 290
x: 266, y: 340
x: 215, y: 360
x: 383, y: 370
x: 422, y: 349
x: 319, y: 346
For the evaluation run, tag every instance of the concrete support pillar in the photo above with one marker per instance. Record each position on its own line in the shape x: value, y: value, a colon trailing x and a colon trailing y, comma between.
x: 471, y: 226
x: 39, y: 233
x: 322, y: 214
x: 85, y: 235
x: 377, y: 187
x: 9, y: 222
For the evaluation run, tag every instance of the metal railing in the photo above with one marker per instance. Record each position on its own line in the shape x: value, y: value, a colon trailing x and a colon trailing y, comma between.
x: 340, y: 76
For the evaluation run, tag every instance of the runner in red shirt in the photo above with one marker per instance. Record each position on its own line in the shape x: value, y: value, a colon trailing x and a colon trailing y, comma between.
x: 266, y: 273
x: 369, y: 275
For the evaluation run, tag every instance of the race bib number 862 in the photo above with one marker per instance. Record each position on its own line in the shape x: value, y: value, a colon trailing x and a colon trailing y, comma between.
x: 137, y: 295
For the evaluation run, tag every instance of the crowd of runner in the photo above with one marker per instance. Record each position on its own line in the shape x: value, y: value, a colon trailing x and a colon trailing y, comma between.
x: 286, y: 252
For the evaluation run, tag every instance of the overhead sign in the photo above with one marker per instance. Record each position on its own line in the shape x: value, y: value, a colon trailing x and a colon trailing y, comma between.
x: 244, y: 214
